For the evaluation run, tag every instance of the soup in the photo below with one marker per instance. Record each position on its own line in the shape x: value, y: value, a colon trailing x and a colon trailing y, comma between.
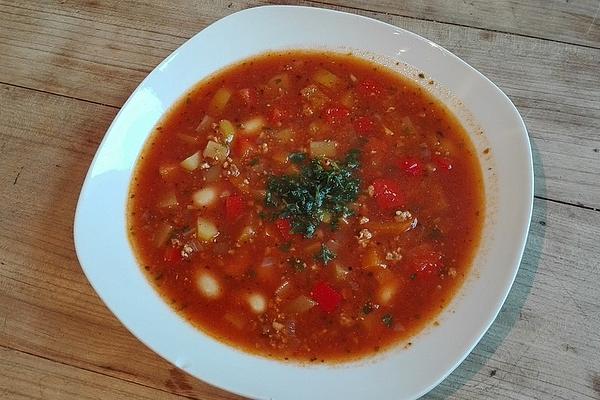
x: 307, y: 206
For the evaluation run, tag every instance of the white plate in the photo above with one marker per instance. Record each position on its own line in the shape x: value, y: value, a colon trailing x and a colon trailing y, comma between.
x: 107, y: 260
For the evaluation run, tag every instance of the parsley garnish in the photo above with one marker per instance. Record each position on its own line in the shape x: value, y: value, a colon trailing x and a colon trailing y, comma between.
x: 367, y: 308
x: 320, y: 187
x: 325, y: 255
x: 297, y: 158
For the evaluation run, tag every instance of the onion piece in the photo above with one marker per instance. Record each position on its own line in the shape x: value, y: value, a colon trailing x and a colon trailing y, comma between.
x: 407, y: 126
x: 168, y: 200
x: 204, y: 197
x: 162, y: 234
x: 323, y: 149
x: 219, y: 101
x: 192, y: 162
x: 280, y: 82
x: 299, y: 305
x: 216, y: 151
x: 167, y: 171
x: 341, y: 273
x: 213, y: 173
x: 205, y: 123
x: 235, y: 320
x: 372, y: 259
x: 247, y: 234
x: 253, y: 125
x: 205, y: 229
x: 348, y: 99
x: 325, y: 78
x: 267, y: 262
x: 285, y: 135
x: 283, y: 289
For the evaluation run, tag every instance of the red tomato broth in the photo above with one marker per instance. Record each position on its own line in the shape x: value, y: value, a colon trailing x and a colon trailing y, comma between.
x: 391, y: 275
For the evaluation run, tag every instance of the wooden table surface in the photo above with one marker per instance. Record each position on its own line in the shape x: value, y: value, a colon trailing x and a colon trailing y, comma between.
x: 67, y: 66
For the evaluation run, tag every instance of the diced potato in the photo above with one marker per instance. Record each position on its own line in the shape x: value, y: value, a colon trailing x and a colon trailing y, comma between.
x: 216, y: 151
x: 192, y: 162
x: 323, y: 149
x: 227, y: 130
x: 253, y: 125
x: 257, y: 303
x: 280, y: 81
x: 206, y: 230
x: 162, y: 234
x: 204, y: 197
x: 167, y: 171
x: 219, y: 101
x: 326, y: 78
x: 208, y: 285
x: 169, y: 199
x: 205, y: 123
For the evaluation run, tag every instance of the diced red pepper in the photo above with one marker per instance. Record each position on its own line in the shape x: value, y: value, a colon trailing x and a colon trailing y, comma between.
x: 327, y: 298
x: 242, y: 147
x: 426, y: 262
x: 387, y: 193
x: 284, y: 226
x: 234, y: 206
x: 172, y: 255
x: 412, y: 166
x: 368, y: 88
x: 336, y: 114
x: 442, y: 163
x: 249, y: 96
x: 364, y: 125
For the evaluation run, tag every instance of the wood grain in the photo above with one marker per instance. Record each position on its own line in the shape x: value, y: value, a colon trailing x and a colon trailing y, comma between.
x: 28, y: 377
x: 554, y: 85
x: 544, y: 340
x: 68, y: 65
x: 572, y: 21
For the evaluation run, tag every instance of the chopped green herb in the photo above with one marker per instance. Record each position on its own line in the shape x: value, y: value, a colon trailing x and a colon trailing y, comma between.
x: 298, y: 157
x: 253, y: 162
x: 320, y: 187
x: 413, y: 277
x: 325, y: 255
x: 367, y: 308
x: 297, y: 264
x: 387, y: 320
